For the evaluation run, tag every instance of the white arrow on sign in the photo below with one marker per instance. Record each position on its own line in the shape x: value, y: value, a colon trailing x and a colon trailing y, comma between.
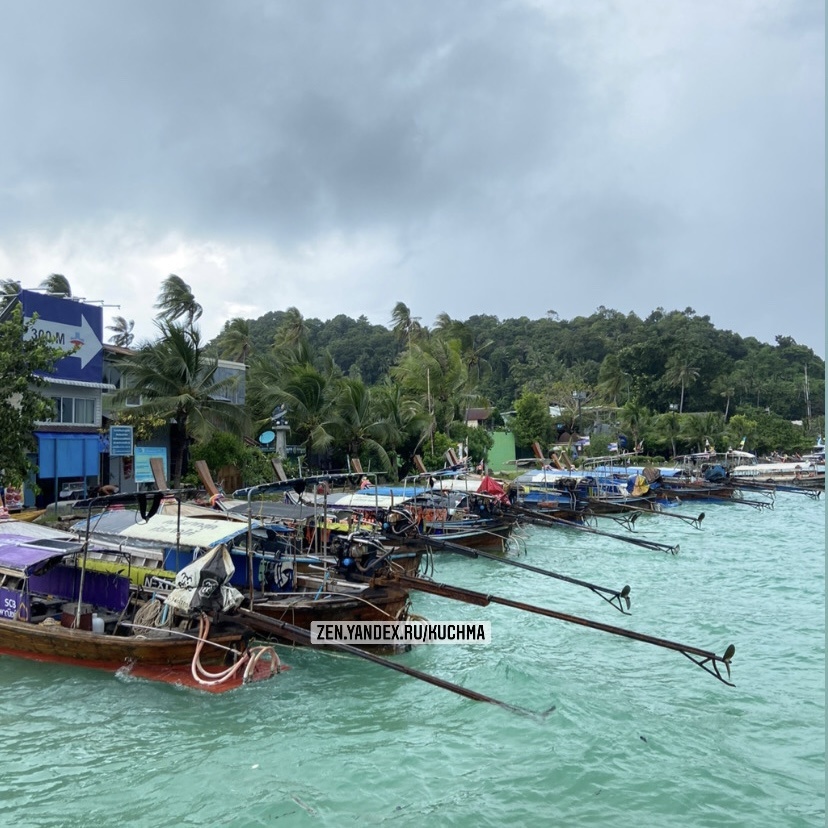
x: 68, y: 337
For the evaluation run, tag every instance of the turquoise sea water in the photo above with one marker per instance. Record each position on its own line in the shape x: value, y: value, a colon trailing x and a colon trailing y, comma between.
x: 640, y: 736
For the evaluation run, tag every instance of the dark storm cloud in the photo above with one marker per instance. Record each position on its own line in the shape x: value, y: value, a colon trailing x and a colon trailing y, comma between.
x: 234, y: 117
x: 582, y: 154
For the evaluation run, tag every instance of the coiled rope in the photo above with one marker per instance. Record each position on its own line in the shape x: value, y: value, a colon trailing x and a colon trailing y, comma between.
x: 249, y: 660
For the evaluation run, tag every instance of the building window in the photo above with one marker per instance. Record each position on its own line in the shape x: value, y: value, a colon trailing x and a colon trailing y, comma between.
x: 74, y: 411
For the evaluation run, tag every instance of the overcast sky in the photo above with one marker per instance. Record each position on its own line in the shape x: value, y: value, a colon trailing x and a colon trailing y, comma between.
x: 507, y: 157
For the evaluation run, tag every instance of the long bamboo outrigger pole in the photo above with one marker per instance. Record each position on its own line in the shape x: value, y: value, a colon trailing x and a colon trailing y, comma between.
x: 530, y: 516
x: 700, y: 657
x: 614, y: 597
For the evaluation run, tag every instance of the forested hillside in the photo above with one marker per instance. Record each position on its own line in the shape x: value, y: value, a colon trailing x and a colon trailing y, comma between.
x: 608, y: 354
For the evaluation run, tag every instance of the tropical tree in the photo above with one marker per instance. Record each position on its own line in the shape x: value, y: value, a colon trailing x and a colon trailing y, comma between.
x: 635, y: 419
x: 57, y: 284
x: 9, y: 288
x: 612, y: 379
x: 532, y: 422
x: 122, y: 335
x: 669, y: 426
x: 407, y: 424
x: 176, y: 301
x: 292, y: 331
x: 432, y: 371
x: 725, y: 386
x: 177, y: 381
x: 22, y: 362
x: 704, y: 430
x: 235, y: 342
x: 680, y: 371
x: 405, y: 326
x: 359, y: 425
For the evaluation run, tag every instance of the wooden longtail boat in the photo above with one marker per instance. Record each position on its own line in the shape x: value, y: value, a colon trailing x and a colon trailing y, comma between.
x: 52, y: 609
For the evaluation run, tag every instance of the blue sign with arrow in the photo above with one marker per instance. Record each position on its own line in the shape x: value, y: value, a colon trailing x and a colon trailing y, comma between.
x: 74, y: 327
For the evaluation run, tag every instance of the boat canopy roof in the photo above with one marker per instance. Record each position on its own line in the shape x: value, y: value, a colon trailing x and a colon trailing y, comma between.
x: 24, y: 556
x: 164, y: 529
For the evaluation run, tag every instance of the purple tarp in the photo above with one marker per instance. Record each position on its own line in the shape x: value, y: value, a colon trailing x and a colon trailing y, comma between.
x: 25, y: 557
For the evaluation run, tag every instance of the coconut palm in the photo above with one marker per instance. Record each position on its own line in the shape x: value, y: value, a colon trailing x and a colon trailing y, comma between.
x: 611, y: 378
x: 679, y: 371
x: 670, y: 426
x: 235, y: 342
x: 703, y: 430
x: 57, y: 284
x: 725, y: 386
x: 405, y: 326
x: 433, y: 372
x: 359, y: 425
x: 292, y: 330
x: 177, y: 381
x: 176, y: 300
x: 122, y: 331
x: 635, y: 419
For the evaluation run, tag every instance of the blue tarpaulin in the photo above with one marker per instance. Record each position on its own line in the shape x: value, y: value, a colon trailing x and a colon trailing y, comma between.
x: 67, y: 455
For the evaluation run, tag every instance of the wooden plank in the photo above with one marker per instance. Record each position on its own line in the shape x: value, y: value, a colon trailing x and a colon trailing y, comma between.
x: 206, y: 478
x: 279, y: 469
x: 157, y: 467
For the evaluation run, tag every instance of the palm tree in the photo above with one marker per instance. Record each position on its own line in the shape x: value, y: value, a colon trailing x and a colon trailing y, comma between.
x: 611, y: 379
x: 405, y: 325
x: 669, y: 426
x: 235, y: 342
x: 358, y: 424
x: 406, y: 424
x: 725, y: 386
x: 176, y: 300
x: 680, y: 372
x: 177, y: 381
x: 57, y: 284
x: 433, y: 372
x: 703, y: 430
x: 636, y: 419
x: 122, y: 331
x: 292, y: 331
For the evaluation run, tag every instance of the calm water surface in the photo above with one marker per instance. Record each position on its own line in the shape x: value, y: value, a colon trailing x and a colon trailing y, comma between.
x: 640, y: 736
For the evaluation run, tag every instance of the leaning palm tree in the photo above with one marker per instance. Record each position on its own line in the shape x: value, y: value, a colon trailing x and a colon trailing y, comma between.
x: 57, y: 284
x: 292, y: 330
x: 177, y: 381
x: 235, y: 342
x: 611, y: 378
x: 405, y: 325
x: 358, y: 423
x: 405, y: 421
x: 122, y: 335
x: 176, y: 300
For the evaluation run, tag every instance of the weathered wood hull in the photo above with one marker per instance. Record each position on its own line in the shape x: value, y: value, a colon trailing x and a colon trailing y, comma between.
x: 488, y: 539
x: 373, y: 604
x: 55, y: 643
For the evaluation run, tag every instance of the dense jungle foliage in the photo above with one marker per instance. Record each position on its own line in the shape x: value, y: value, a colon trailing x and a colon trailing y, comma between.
x: 671, y: 380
